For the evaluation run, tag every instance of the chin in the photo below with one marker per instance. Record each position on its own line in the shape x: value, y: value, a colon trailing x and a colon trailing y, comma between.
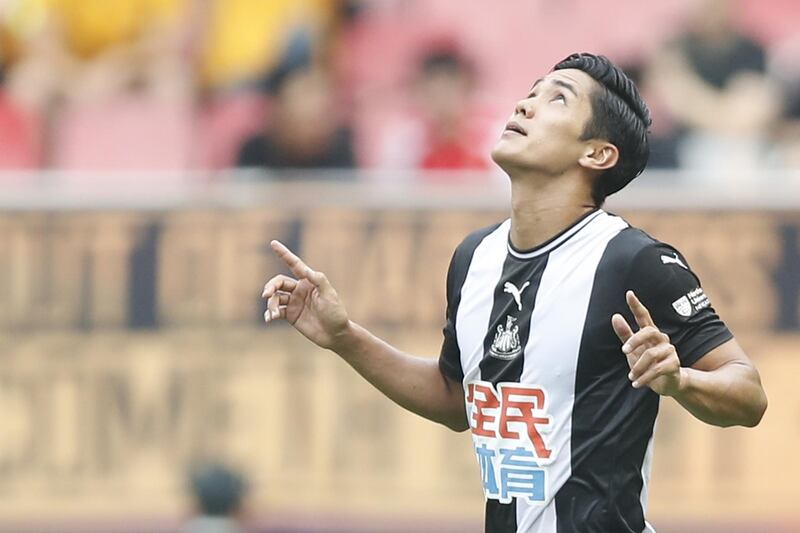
x: 506, y: 158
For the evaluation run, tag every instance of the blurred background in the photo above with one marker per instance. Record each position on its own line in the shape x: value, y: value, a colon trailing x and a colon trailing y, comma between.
x: 150, y: 149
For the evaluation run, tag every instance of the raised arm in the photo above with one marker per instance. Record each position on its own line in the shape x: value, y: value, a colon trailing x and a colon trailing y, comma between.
x: 310, y: 303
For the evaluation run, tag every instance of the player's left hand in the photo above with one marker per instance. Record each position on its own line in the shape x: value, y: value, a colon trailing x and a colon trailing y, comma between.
x: 652, y: 359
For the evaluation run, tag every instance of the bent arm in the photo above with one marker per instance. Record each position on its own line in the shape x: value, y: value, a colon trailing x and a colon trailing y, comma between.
x: 414, y: 383
x: 723, y: 388
x: 312, y: 306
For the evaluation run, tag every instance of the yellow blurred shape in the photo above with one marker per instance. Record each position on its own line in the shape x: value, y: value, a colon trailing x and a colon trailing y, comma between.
x: 90, y: 27
x: 245, y: 37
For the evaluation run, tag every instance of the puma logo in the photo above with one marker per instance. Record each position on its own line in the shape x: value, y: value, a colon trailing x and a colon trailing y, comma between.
x: 515, y: 292
x: 666, y: 259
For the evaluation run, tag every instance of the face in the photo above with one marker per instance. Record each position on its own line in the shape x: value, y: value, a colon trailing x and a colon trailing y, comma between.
x: 305, y: 97
x: 443, y: 95
x: 544, y: 132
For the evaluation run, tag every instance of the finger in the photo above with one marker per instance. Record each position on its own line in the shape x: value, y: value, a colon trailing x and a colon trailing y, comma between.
x: 648, y: 337
x: 621, y: 327
x: 640, y: 312
x: 634, y: 356
x: 272, y: 305
x: 653, y: 373
x: 282, y: 294
x: 275, y: 314
x: 647, y: 367
x: 295, y: 264
x: 649, y: 357
x: 278, y: 283
x: 641, y: 366
x: 624, y: 332
x: 656, y: 371
x: 277, y: 300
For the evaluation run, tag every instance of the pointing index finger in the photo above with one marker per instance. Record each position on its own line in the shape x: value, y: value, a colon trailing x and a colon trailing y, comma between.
x: 640, y: 312
x: 295, y: 264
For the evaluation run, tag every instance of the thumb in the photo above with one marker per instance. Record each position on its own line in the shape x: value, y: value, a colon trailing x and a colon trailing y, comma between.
x: 621, y: 327
x: 624, y: 332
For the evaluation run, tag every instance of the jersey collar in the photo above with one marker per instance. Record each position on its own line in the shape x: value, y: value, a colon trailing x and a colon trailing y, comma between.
x: 557, y: 240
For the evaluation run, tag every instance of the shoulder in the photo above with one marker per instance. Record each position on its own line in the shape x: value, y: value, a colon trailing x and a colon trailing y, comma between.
x: 342, y: 140
x: 653, y: 269
x: 750, y: 54
x: 341, y: 154
x: 626, y: 247
x: 343, y: 135
x: 462, y: 257
x: 656, y: 271
x: 632, y: 249
x: 468, y: 245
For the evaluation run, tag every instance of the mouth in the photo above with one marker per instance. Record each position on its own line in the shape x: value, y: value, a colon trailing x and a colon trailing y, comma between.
x: 516, y: 128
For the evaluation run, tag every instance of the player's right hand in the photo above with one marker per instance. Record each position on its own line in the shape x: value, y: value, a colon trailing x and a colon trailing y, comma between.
x: 308, y: 301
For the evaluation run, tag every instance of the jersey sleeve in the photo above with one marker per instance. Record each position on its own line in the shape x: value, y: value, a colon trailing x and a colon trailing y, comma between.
x: 450, y: 355
x: 661, y: 278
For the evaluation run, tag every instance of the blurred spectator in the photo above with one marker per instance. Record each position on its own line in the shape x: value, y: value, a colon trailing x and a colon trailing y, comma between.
x: 664, y: 132
x: 19, y: 143
x: 246, y: 38
x: 92, y: 27
x: 102, y: 75
x: 713, y: 81
x: 219, y: 494
x: 232, y: 105
x: 785, y: 67
x: 445, y: 129
x: 18, y: 135
x: 303, y: 129
x: 85, y: 50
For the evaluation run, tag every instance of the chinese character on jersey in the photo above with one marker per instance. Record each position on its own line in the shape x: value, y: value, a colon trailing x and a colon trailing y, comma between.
x: 509, y: 446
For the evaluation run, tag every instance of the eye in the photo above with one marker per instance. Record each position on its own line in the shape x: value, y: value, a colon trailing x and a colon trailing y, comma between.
x: 560, y: 98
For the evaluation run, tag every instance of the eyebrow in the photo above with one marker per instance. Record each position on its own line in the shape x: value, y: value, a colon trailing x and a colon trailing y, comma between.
x: 560, y: 83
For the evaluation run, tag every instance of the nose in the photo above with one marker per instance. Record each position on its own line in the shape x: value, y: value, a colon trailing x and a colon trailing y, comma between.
x: 525, y: 108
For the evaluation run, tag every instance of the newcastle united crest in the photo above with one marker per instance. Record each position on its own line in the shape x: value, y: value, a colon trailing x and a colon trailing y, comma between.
x: 506, y: 341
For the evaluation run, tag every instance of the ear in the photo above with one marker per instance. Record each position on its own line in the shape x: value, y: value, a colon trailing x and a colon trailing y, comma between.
x: 599, y: 155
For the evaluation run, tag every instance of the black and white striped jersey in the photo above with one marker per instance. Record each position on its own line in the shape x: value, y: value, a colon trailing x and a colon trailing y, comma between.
x: 562, y: 438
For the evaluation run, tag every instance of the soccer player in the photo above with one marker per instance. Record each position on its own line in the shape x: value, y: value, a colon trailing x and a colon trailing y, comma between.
x: 565, y: 325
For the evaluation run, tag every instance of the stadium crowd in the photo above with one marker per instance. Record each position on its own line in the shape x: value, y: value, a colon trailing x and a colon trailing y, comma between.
x: 388, y: 84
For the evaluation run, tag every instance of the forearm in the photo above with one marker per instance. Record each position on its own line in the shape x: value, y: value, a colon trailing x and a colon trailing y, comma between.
x: 728, y: 396
x: 414, y: 383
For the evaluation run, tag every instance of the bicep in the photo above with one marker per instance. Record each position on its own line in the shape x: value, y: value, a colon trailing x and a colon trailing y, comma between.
x: 454, y: 397
x: 455, y: 389
x: 729, y: 352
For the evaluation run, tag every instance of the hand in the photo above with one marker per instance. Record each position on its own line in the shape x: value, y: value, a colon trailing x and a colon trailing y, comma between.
x: 309, y: 303
x: 652, y: 359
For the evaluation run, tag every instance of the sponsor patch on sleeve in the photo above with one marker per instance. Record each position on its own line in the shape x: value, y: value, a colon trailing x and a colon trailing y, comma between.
x: 691, y: 303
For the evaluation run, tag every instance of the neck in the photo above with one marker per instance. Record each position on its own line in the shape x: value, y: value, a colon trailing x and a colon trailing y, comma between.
x: 540, y: 209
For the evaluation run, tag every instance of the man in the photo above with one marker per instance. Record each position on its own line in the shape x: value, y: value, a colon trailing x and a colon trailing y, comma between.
x: 540, y: 359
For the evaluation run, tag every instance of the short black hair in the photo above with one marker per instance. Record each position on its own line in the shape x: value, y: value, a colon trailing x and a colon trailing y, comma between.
x: 619, y: 115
